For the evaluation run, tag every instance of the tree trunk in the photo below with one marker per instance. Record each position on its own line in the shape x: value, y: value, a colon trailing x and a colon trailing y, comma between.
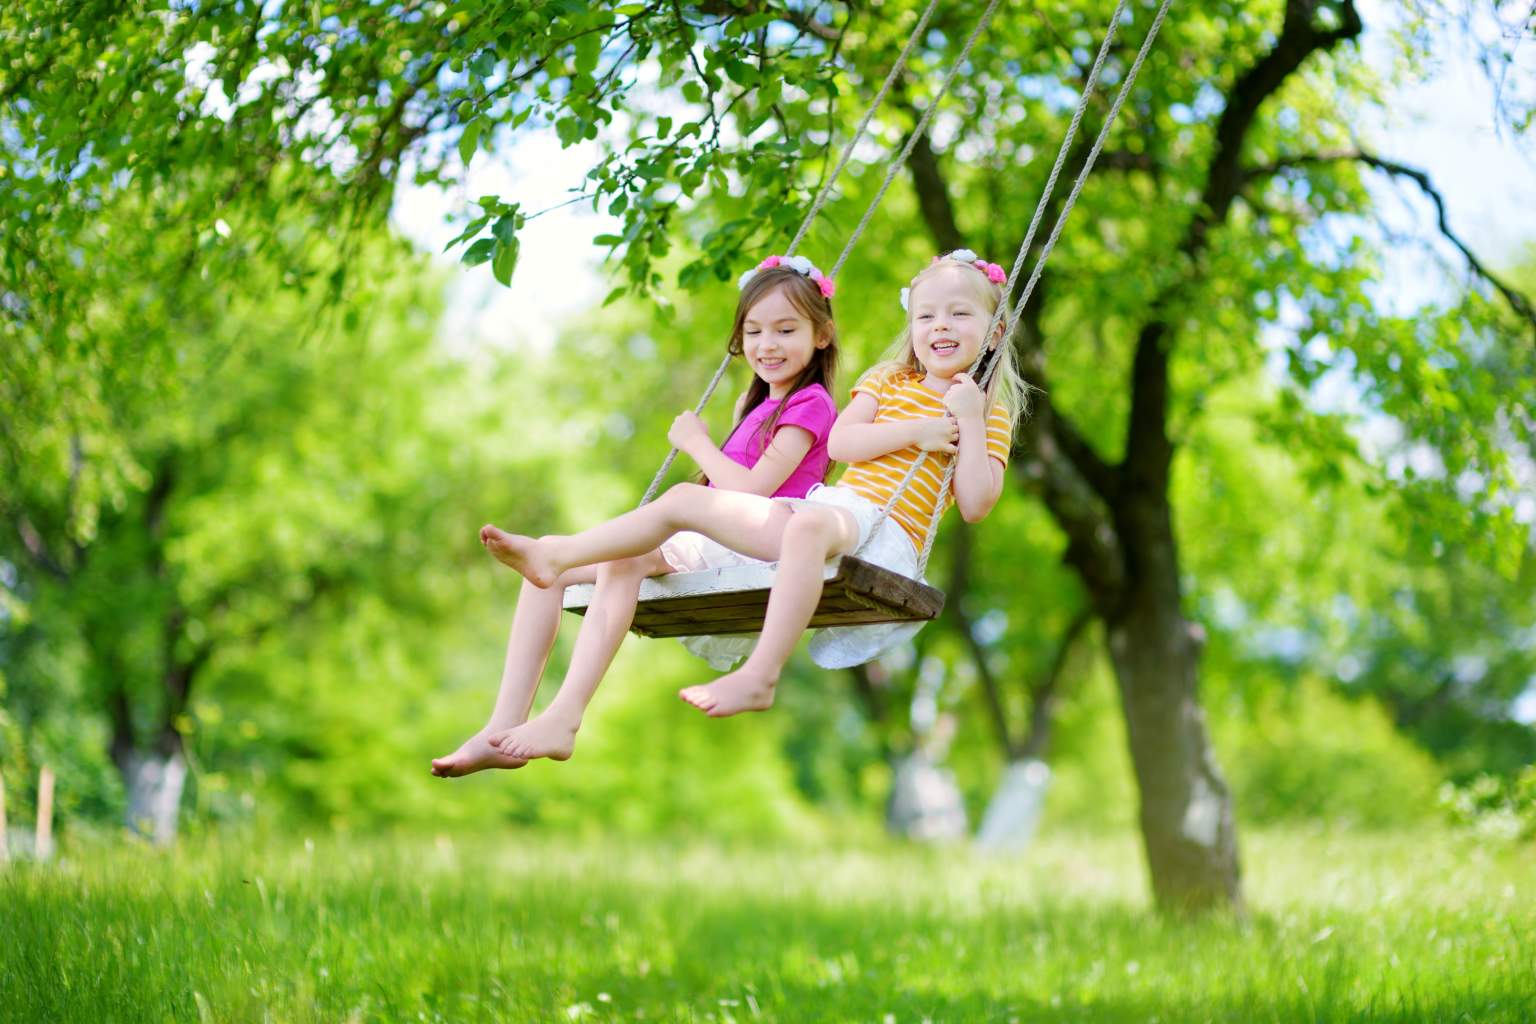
x: 154, y: 782
x: 153, y: 777
x: 926, y: 803
x: 1187, y: 823
x: 1013, y: 813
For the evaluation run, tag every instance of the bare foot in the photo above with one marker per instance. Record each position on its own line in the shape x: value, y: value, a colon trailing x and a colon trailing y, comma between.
x: 475, y: 755
x: 546, y: 736
x: 525, y: 554
x: 731, y: 694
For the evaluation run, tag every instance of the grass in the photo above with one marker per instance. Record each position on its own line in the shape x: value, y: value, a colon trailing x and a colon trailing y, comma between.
x: 537, y: 928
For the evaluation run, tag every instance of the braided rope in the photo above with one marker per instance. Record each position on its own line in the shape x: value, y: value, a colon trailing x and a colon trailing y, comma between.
x: 1093, y: 155
x: 805, y: 223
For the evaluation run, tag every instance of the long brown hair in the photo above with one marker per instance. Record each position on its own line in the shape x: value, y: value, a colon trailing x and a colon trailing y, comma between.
x: 805, y: 295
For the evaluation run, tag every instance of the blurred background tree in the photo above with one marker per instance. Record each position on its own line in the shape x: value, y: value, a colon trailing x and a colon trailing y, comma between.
x: 242, y: 473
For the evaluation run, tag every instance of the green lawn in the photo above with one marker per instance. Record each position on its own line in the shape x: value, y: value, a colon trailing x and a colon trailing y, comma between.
x: 533, y: 928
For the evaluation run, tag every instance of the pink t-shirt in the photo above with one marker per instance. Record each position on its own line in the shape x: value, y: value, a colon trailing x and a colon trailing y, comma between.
x: 812, y: 410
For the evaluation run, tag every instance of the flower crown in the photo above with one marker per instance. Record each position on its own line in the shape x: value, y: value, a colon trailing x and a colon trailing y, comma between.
x: 799, y: 264
x: 995, y: 273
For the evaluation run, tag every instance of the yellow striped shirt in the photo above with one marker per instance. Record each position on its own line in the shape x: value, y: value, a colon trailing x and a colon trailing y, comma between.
x: 903, y: 397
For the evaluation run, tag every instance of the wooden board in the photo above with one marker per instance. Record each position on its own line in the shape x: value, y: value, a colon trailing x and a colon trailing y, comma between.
x: 716, y: 602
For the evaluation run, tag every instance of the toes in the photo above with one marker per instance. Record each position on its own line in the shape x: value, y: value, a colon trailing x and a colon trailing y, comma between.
x: 699, y: 697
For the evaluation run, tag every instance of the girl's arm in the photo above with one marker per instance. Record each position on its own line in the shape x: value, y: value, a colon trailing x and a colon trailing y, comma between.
x: 978, y: 479
x: 856, y: 437
x: 789, y: 447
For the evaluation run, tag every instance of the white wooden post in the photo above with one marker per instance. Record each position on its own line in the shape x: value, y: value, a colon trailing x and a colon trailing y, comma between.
x: 44, y: 844
x: 5, y: 846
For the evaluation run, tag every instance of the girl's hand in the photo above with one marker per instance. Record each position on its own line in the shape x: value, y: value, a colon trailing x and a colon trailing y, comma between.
x: 687, y: 430
x: 964, y: 399
x: 938, y: 434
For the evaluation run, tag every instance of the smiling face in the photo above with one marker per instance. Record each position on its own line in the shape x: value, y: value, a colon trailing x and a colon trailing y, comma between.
x: 778, y: 341
x: 951, y: 307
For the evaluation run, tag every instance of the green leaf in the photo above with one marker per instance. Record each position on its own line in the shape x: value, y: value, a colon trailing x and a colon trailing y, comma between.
x: 470, y: 140
x: 470, y: 230
x: 588, y: 48
x: 479, y: 252
x: 569, y: 130
x: 741, y: 72
x: 484, y: 64
x: 693, y: 92
x: 505, y: 230
x: 504, y: 261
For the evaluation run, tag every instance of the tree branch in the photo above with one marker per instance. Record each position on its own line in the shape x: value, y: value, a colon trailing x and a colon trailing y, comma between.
x: 933, y: 200
x: 38, y: 549
x: 1043, y: 694
x: 1148, y: 449
x: 1517, y: 301
x: 954, y: 608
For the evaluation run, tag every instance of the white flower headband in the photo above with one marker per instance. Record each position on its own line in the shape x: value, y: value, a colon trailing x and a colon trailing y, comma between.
x: 799, y: 264
x: 995, y: 273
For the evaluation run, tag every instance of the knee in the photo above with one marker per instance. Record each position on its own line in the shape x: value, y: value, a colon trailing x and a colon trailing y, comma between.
x: 679, y: 497
x: 810, y: 528
x: 683, y: 492
x: 637, y: 568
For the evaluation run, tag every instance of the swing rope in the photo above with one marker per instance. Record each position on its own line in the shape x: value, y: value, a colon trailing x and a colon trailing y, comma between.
x: 1002, y: 310
x: 826, y: 189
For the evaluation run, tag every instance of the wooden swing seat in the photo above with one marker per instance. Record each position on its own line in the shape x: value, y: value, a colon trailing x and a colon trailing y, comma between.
x: 718, y: 602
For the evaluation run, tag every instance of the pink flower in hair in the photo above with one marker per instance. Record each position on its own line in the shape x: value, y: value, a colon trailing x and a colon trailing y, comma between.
x: 994, y: 273
x: 771, y: 261
x: 824, y: 283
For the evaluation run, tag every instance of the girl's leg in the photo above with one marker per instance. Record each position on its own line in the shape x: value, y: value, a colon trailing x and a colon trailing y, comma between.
x: 552, y: 733
x: 534, y: 625
x: 747, y: 523
x: 813, y: 535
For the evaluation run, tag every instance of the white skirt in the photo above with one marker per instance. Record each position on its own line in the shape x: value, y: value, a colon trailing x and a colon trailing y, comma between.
x: 694, y: 552
x: 889, y: 548
x: 832, y: 646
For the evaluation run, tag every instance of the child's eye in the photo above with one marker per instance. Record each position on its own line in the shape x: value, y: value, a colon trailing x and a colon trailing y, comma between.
x: 925, y: 316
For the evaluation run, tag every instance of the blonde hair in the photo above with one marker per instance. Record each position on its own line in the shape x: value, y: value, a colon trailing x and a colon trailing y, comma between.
x: 1006, y: 387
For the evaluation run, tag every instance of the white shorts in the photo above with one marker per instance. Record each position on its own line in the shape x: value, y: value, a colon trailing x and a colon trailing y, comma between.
x: 831, y: 646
